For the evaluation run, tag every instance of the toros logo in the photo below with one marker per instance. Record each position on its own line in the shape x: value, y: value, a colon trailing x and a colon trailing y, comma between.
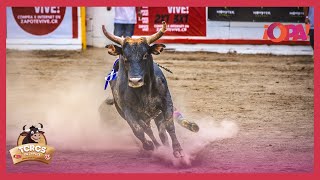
x: 32, y: 146
x: 39, y: 20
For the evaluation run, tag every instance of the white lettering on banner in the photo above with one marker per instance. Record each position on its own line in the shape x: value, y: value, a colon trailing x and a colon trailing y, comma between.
x: 174, y: 27
x: 47, y: 10
x: 296, y: 13
x: 178, y: 10
x: 261, y: 12
x: 46, y: 15
x: 145, y: 20
x: 143, y: 27
x: 225, y: 12
x: 145, y: 12
x: 38, y: 21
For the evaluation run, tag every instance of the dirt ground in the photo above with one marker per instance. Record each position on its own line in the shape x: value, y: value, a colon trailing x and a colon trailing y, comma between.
x: 255, y: 113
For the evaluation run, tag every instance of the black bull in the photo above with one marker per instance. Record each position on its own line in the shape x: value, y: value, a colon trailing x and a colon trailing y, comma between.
x: 141, y: 92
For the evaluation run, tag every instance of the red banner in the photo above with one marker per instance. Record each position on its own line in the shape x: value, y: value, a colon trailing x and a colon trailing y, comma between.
x: 42, y: 22
x: 181, y: 21
x: 38, y: 20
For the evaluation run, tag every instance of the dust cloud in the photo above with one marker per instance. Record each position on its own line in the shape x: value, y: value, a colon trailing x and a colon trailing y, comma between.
x: 76, y: 118
x: 193, y: 143
x: 71, y: 118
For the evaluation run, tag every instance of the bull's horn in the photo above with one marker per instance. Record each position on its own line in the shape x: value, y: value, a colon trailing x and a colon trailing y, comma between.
x: 41, y: 126
x: 157, y: 35
x: 24, y: 129
x: 112, y: 37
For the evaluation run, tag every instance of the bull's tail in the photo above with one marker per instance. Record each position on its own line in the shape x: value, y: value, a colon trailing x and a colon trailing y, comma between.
x: 184, y: 122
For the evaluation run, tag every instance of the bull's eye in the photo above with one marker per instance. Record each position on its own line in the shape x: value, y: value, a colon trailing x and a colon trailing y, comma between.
x: 32, y: 132
x: 145, y: 56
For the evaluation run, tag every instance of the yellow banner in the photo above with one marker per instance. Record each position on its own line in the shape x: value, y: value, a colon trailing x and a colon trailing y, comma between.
x: 32, y: 152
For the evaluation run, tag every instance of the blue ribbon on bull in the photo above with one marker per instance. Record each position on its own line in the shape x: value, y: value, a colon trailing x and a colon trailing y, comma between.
x: 112, y: 75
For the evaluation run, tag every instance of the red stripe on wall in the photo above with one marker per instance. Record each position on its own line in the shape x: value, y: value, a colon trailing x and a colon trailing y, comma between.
x: 74, y: 22
x: 230, y: 41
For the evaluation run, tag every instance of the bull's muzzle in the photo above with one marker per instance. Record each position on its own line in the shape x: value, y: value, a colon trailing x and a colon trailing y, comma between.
x: 36, y: 137
x: 136, y: 82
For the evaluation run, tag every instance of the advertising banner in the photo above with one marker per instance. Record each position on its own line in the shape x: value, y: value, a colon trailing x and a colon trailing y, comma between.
x: 256, y: 14
x: 181, y: 21
x: 42, y: 22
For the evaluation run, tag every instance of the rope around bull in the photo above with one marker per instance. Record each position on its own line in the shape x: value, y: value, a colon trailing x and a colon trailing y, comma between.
x: 164, y: 68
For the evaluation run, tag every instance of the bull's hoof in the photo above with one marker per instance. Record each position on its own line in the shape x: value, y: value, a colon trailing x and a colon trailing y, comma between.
x: 178, y: 153
x: 194, y: 127
x: 148, y: 145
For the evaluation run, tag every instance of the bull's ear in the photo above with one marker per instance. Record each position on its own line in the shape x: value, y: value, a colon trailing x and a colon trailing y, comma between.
x: 23, y: 134
x: 41, y: 132
x: 114, y: 50
x: 157, y: 48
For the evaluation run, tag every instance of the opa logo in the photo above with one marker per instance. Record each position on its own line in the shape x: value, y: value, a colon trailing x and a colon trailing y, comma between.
x: 287, y: 32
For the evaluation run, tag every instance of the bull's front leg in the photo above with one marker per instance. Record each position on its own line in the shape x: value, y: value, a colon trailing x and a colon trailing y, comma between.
x: 162, y: 129
x: 138, y: 131
x: 147, y: 129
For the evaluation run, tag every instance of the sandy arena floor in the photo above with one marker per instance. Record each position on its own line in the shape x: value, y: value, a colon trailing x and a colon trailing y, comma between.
x: 255, y: 113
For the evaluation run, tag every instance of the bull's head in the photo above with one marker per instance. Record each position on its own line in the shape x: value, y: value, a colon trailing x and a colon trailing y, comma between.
x: 136, y: 54
x: 33, y: 132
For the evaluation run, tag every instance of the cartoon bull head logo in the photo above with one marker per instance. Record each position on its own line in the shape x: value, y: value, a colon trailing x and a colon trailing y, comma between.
x: 32, y: 135
x: 32, y: 146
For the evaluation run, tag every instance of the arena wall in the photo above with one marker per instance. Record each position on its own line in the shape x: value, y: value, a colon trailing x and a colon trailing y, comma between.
x: 221, y: 37
x: 43, y: 28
